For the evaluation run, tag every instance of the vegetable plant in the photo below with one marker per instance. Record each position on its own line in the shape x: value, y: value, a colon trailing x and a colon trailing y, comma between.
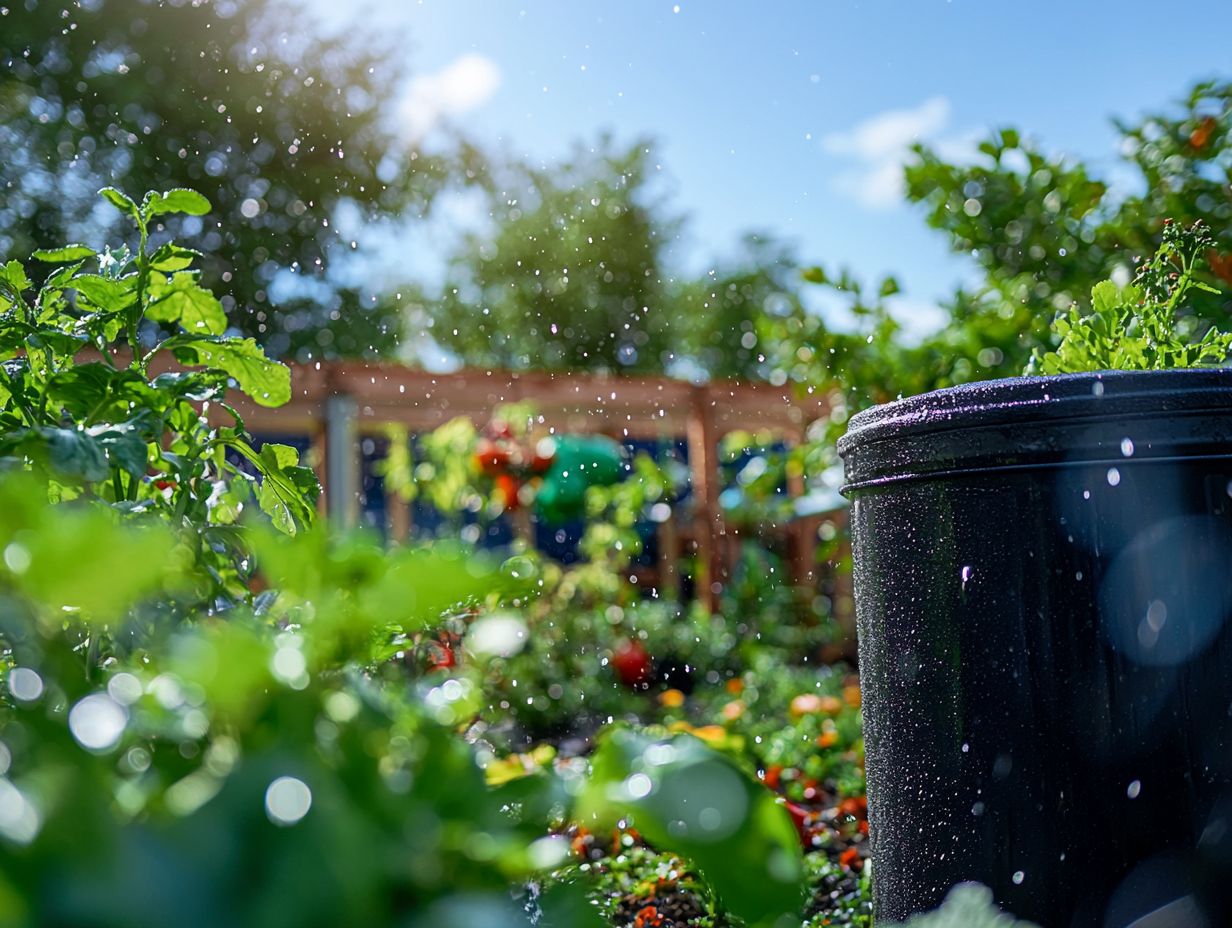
x: 1141, y: 326
x: 115, y: 372
x: 206, y: 714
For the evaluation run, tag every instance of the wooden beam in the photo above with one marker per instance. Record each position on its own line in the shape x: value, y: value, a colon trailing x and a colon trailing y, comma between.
x: 631, y: 407
x: 623, y: 407
x: 709, y: 531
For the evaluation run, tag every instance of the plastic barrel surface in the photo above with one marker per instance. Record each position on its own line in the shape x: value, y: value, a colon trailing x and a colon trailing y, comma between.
x: 1043, y: 572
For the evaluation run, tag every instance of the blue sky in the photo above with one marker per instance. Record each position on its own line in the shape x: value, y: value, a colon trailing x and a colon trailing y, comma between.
x: 792, y: 116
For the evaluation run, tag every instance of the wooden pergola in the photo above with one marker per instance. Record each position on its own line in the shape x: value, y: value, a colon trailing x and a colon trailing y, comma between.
x: 337, y: 404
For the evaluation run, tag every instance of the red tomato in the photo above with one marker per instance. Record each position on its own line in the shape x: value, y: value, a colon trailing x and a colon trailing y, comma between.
x: 507, y: 491
x: 632, y: 663
x: 491, y: 457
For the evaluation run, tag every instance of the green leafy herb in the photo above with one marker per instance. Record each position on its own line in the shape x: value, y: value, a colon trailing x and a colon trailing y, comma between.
x: 1141, y: 326
x: 110, y: 429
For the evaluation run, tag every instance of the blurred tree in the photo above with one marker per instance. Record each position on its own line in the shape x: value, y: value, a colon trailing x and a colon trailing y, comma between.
x: 569, y: 274
x: 1043, y: 230
x: 280, y: 127
x: 723, y: 307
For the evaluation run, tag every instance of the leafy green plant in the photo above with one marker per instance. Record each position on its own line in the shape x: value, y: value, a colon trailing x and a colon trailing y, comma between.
x: 687, y: 798
x: 262, y: 770
x: 1141, y: 326
x: 115, y: 371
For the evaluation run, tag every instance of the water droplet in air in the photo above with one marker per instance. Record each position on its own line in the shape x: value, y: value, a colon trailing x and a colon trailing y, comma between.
x: 287, y: 800
x: 639, y: 786
x: 1127, y: 447
x: 1019, y: 876
x: 1114, y: 476
x: 25, y: 684
x: 1134, y: 789
x: 97, y: 722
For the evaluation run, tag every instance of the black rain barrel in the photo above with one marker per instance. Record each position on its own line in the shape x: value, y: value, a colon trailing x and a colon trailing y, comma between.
x: 1043, y: 578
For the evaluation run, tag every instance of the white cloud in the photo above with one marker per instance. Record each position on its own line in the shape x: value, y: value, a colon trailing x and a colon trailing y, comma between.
x: 461, y: 86
x: 880, y: 146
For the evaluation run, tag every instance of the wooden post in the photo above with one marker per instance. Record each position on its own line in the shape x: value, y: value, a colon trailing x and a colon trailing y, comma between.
x: 397, y: 518
x: 802, y: 538
x: 342, y: 460
x: 397, y: 510
x: 708, y: 518
x: 669, y: 557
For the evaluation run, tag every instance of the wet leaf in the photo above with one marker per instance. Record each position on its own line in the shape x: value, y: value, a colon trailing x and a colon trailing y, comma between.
x: 184, y: 301
x: 179, y: 200
x: 267, y: 382
x: 685, y: 797
x: 63, y: 255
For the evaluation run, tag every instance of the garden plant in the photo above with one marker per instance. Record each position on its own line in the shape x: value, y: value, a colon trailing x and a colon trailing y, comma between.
x: 218, y: 708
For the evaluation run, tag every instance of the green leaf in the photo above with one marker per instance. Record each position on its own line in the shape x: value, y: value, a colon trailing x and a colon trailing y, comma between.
x: 120, y: 201
x: 91, y: 392
x: 124, y: 447
x: 58, y: 278
x: 80, y: 558
x: 109, y: 294
x: 1106, y: 297
x: 14, y: 275
x: 172, y: 257
x: 179, y: 200
x: 69, y: 453
x: 267, y: 382
x: 740, y: 839
x: 65, y: 254
x: 889, y: 287
x: 287, y: 491
x: 184, y: 301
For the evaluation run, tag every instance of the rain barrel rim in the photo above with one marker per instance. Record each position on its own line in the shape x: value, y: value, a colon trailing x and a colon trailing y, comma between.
x: 888, y: 442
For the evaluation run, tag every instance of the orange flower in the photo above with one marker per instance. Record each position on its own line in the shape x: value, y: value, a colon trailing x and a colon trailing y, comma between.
x: 735, y: 686
x: 581, y: 842
x: 850, y: 859
x: 805, y: 704
x: 851, y: 695
x: 1221, y: 265
x: 673, y: 699
x: 1202, y: 132
x: 855, y: 806
x: 812, y: 704
x: 827, y: 739
x: 710, y: 733
x: 648, y: 917
x: 733, y: 710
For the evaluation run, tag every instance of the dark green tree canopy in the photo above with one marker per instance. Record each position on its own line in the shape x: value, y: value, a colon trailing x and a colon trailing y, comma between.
x: 570, y: 274
x: 719, y: 311
x: 278, y: 126
x: 1044, y: 229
